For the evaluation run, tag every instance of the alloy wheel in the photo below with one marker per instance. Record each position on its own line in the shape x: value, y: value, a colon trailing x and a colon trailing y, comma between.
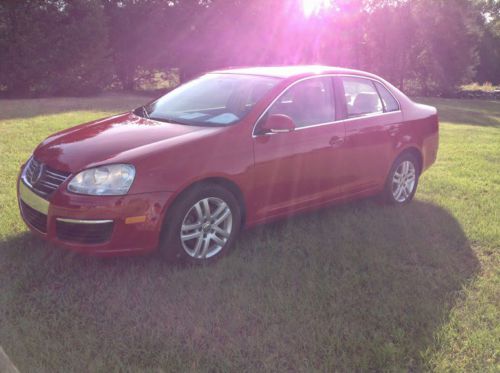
x: 206, y: 228
x: 404, y: 181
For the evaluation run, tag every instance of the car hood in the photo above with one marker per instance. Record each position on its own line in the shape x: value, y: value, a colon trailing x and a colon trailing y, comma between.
x: 109, y: 140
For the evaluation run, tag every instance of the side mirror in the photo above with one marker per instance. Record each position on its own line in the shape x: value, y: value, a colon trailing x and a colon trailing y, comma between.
x: 278, y: 123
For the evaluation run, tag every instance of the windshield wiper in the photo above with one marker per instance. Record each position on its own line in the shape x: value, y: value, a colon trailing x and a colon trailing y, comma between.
x: 145, y: 112
x: 142, y: 112
x: 169, y: 120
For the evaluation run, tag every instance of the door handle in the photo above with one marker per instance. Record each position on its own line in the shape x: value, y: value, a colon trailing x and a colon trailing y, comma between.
x: 336, y: 141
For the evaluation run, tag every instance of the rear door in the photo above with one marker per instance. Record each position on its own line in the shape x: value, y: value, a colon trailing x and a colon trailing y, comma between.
x: 371, y: 123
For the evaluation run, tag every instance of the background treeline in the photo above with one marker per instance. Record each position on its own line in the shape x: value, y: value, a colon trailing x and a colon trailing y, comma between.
x: 54, y: 47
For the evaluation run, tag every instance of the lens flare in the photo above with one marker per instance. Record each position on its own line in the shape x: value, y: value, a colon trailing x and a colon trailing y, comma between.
x: 314, y: 7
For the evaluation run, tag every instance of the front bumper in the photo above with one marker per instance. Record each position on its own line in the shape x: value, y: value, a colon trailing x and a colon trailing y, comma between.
x: 99, y: 225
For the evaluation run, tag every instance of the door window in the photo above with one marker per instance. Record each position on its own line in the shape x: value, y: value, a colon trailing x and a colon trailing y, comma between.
x: 308, y: 102
x: 390, y: 103
x: 361, y: 97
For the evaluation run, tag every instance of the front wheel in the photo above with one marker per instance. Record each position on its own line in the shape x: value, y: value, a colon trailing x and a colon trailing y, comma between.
x: 402, y: 181
x: 201, y: 226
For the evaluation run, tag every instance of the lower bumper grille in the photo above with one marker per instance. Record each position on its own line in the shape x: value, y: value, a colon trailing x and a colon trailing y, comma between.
x: 34, y: 218
x: 86, y: 233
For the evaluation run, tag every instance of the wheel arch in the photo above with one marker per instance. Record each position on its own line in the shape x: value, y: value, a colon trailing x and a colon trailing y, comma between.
x: 226, y: 183
x: 417, y: 153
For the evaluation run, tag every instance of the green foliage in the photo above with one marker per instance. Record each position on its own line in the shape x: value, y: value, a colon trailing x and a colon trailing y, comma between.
x: 489, y: 51
x: 84, y: 64
x: 53, y: 47
x: 428, y: 46
x: 69, y: 47
x: 446, y: 38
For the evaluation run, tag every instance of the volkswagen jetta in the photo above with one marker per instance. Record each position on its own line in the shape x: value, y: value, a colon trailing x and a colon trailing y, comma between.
x: 227, y: 150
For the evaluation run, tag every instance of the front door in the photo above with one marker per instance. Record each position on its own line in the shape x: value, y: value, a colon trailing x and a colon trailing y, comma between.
x: 298, y: 169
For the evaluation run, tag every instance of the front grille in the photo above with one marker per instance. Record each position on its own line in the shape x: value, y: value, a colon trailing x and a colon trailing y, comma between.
x: 88, y: 233
x: 34, y: 218
x: 42, y: 178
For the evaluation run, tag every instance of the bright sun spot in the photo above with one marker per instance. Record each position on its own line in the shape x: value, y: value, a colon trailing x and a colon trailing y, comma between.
x: 314, y: 7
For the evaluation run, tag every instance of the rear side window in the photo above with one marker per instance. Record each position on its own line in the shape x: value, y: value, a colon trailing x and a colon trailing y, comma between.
x: 361, y: 97
x: 390, y: 103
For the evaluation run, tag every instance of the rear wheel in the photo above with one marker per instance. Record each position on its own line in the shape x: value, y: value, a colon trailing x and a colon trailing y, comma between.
x: 402, y: 181
x: 202, y: 225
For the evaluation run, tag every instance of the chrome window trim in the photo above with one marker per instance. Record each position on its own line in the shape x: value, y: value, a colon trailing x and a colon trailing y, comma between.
x: 80, y: 221
x: 254, y: 135
x: 346, y: 120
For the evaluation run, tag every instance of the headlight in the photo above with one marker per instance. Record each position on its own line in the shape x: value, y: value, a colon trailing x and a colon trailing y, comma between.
x: 111, y: 180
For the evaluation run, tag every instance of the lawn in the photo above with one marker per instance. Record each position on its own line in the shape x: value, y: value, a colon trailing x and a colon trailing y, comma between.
x: 357, y: 287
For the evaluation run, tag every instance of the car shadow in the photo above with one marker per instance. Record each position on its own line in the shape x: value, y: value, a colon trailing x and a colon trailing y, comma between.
x: 354, y: 287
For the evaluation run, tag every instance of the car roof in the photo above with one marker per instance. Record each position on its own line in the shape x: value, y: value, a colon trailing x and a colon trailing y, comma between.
x: 291, y: 71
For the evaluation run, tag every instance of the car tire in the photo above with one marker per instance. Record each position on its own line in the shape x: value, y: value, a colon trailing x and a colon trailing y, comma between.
x: 402, y: 181
x: 201, y: 226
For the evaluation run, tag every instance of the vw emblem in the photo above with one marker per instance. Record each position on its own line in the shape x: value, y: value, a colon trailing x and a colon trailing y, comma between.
x: 37, y: 174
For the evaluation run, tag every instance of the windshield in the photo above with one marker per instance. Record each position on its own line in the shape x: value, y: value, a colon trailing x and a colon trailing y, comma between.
x: 211, y: 100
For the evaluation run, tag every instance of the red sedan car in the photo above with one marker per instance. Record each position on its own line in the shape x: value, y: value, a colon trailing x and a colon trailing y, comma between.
x: 232, y: 148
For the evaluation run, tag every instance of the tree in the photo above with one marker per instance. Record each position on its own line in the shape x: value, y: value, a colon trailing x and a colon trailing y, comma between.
x: 53, y: 46
x: 489, y: 54
x: 60, y: 46
x: 488, y: 69
x: 445, y: 52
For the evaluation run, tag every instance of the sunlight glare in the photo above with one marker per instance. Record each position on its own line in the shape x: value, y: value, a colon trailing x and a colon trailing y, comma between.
x: 314, y: 7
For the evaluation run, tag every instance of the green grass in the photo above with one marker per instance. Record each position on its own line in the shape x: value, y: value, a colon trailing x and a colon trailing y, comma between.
x: 357, y: 287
